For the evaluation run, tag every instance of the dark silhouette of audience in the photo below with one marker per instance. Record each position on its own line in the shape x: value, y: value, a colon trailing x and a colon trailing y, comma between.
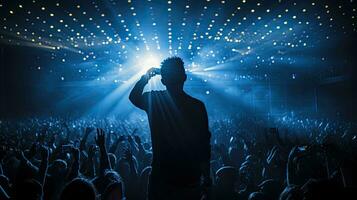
x: 179, y: 134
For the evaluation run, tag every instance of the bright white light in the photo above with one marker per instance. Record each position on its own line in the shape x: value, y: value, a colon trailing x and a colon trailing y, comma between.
x: 148, y: 61
x: 142, y: 63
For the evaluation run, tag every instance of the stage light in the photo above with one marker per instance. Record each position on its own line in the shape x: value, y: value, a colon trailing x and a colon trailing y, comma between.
x: 148, y: 61
x: 120, y: 44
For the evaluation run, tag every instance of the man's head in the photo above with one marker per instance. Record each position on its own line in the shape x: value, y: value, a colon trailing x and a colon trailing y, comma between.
x: 173, y: 72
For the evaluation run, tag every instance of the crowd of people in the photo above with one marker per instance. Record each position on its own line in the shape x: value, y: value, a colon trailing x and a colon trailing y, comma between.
x: 56, y: 158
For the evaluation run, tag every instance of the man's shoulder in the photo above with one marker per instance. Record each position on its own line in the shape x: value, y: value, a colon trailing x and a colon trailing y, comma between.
x: 195, y: 100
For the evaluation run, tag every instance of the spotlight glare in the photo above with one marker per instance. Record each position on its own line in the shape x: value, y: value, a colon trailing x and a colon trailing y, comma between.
x: 148, y: 61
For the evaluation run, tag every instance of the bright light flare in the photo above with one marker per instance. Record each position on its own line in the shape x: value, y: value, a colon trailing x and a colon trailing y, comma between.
x: 148, y: 61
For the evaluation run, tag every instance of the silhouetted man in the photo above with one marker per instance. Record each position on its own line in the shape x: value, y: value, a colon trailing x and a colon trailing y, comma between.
x: 179, y: 134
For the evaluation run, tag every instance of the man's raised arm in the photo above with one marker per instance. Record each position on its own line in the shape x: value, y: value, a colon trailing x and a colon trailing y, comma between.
x: 136, y: 94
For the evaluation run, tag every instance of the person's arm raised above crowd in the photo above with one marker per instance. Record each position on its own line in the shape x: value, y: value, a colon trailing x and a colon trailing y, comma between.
x: 44, y: 164
x: 87, y: 131
x: 73, y: 170
x: 270, y: 162
x: 295, y: 154
x: 115, y: 145
x: 136, y: 94
x: 141, y: 149
x: 104, y: 159
x: 132, y: 144
x: 128, y: 156
x: 88, y: 165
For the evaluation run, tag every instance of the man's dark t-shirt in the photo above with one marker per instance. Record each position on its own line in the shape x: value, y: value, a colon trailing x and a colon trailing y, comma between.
x: 179, y: 134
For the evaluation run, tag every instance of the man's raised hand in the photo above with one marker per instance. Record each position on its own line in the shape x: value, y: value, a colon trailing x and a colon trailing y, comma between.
x: 100, y: 138
x: 149, y: 74
x: 152, y: 72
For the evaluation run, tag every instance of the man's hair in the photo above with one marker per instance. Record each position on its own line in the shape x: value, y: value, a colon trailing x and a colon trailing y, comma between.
x: 173, y: 69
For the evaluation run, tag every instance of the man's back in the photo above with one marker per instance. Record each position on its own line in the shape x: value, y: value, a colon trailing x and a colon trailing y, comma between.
x: 179, y: 128
x: 179, y: 134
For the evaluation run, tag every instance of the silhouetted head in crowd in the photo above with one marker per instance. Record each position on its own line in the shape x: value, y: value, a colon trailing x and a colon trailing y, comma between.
x: 78, y: 189
x: 58, y: 168
x: 291, y: 192
x: 173, y: 74
x: 113, y: 191
x: 114, y: 186
x: 257, y: 196
x: 103, y: 182
x: 250, y: 170
x: 29, y: 189
x: 270, y: 188
x: 226, y: 177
